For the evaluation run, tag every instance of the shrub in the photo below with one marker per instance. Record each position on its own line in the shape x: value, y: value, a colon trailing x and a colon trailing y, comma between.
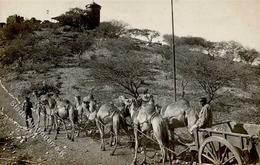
x: 121, y: 45
x: 16, y: 25
x: 248, y: 55
x: 112, y: 29
x: 41, y: 89
x: 16, y: 50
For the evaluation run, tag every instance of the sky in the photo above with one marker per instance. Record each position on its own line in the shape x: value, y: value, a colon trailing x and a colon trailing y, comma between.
x: 215, y: 20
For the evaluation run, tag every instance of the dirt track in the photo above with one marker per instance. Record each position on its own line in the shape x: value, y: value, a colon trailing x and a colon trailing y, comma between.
x: 84, y: 150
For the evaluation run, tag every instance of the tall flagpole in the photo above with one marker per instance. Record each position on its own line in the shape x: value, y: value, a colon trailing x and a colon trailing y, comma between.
x: 173, y: 55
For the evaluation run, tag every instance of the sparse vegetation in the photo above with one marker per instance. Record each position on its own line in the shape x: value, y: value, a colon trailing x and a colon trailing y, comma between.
x: 148, y: 34
x: 129, y: 66
x: 112, y: 29
x: 125, y: 71
x: 112, y: 61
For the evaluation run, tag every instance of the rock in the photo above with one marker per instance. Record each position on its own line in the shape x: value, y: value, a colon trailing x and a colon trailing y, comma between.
x: 19, y: 137
x: 65, y: 147
x: 21, y: 141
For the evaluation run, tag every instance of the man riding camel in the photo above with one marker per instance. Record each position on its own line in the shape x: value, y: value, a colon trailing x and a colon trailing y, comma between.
x: 205, y: 116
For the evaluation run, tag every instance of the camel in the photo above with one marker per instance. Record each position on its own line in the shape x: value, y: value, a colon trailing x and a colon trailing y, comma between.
x: 60, y: 110
x: 111, y: 115
x: 86, y: 109
x: 179, y: 114
x: 65, y: 110
x: 145, y: 118
x: 44, y: 105
x: 40, y: 109
x: 80, y: 107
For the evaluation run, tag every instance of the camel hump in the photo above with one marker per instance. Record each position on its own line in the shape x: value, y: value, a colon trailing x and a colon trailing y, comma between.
x: 176, y: 108
x: 105, y: 110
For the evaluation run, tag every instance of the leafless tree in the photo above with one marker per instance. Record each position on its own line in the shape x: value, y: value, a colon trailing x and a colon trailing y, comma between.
x: 126, y: 71
x: 211, y: 75
x: 150, y: 35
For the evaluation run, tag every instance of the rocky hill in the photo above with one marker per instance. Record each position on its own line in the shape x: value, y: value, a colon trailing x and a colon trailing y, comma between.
x: 71, y: 61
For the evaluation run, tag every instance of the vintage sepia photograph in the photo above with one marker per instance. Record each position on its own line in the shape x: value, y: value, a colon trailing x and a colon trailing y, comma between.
x: 129, y: 82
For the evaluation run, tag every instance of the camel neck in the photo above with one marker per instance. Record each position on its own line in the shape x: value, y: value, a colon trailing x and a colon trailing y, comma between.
x: 77, y: 101
x: 132, y: 111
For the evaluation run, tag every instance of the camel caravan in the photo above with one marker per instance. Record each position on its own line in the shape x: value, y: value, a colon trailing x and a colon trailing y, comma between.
x: 136, y: 117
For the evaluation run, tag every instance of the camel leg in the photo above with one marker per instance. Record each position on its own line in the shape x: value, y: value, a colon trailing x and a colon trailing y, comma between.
x: 78, y: 131
x: 52, y: 124
x: 72, y: 128
x: 163, y: 151
x: 144, y: 149
x: 171, y: 142
x: 66, y: 130
x: 112, y: 141
x: 101, y: 131
x: 47, y: 121
x: 136, y: 145
x: 44, y: 121
x: 57, y: 123
x: 116, y: 122
x: 39, y: 117
x: 124, y: 126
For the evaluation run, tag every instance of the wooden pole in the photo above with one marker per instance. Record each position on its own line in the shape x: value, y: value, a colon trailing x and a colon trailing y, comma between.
x: 173, y: 55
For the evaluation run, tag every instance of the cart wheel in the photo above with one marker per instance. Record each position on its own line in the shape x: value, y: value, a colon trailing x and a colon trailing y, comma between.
x: 218, y: 151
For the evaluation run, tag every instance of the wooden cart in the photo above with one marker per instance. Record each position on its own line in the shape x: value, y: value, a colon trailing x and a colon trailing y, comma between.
x: 224, y: 148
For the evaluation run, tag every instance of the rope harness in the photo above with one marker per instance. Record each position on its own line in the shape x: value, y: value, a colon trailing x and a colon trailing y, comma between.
x: 154, y: 114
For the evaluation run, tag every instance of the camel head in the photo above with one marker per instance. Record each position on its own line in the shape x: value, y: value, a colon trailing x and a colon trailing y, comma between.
x: 146, y: 98
x: 134, y: 104
x: 128, y: 102
x: 78, y: 100
x: 44, y: 100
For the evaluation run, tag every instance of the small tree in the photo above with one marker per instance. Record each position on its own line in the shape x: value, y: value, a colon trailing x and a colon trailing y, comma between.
x: 204, y: 72
x: 212, y: 75
x: 75, y: 17
x: 150, y: 35
x: 112, y: 29
x: 80, y: 44
x: 248, y: 55
x: 128, y: 73
x: 15, y: 26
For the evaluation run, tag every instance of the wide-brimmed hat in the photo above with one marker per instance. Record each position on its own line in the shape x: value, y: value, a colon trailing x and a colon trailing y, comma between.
x: 88, y: 98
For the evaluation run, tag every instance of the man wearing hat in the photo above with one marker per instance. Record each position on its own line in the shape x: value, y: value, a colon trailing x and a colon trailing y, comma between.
x: 205, y: 116
x: 27, y: 108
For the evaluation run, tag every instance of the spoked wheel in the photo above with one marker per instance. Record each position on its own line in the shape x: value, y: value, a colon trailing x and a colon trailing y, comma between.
x: 218, y: 151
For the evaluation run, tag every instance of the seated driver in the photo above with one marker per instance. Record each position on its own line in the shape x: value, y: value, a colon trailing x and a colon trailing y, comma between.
x: 205, y: 116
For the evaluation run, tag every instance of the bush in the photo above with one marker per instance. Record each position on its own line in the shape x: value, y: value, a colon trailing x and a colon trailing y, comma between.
x: 11, y: 31
x: 16, y: 25
x: 82, y: 43
x: 16, y: 50
x: 191, y: 41
x: 121, y: 45
x: 113, y: 29
x: 41, y: 89
x: 248, y: 55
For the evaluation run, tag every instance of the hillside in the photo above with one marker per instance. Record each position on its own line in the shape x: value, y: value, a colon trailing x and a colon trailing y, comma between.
x: 65, y: 59
x: 110, y: 61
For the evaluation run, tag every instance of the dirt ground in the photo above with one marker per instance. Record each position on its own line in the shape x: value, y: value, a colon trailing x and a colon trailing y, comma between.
x: 35, y: 150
